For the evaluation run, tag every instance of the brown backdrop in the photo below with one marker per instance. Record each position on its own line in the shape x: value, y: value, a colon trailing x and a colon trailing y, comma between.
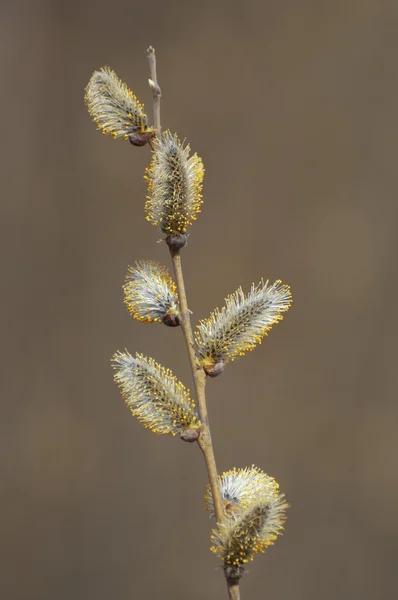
x: 292, y: 106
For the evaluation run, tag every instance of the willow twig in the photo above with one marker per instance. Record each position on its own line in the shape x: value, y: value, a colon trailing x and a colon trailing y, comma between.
x: 199, y: 376
x: 156, y: 91
x: 233, y: 590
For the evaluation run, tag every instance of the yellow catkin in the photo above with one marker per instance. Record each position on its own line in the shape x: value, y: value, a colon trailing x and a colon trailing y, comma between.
x: 174, y: 183
x: 114, y: 107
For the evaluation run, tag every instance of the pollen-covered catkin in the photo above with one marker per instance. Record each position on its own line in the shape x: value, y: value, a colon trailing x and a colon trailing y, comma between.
x: 244, y: 533
x: 150, y: 293
x: 174, y: 183
x: 154, y: 395
x: 115, y: 108
x: 241, y: 324
x: 239, y: 487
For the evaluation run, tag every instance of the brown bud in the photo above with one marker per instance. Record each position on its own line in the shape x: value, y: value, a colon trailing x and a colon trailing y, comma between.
x: 233, y: 573
x: 171, y: 320
x: 141, y: 139
x: 175, y: 242
x: 214, y: 370
x: 190, y: 435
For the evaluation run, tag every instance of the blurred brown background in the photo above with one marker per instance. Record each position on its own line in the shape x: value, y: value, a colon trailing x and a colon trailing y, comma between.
x: 292, y: 106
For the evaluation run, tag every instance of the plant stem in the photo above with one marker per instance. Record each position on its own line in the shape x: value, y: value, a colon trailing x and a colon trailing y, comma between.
x: 204, y: 441
x: 156, y: 91
x: 199, y: 377
x: 233, y: 590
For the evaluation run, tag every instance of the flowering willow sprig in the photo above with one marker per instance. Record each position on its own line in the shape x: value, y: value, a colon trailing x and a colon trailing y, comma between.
x: 150, y: 294
x: 240, y: 325
x: 154, y: 395
x: 239, y: 487
x: 174, y: 185
x: 115, y: 108
x: 247, y: 504
x: 244, y: 533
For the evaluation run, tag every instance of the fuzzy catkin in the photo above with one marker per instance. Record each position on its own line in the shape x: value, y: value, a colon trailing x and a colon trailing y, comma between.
x: 174, y: 183
x: 114, y: 107
x: 154, y: 395
x: 239, y: 537
x: 150, y: 293
x: 242, y: 323
x: 239, y: 487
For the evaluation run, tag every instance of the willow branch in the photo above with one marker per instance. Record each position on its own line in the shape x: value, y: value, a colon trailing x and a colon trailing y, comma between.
x: 204, y: 441
x: 233, y: 590
x: 156, y: 91
x: 199, y: 377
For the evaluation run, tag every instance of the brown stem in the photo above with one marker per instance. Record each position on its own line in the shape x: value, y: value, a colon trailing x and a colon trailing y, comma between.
x: 233, y: 590
x: 156, y: 91
x: 199, y: 377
